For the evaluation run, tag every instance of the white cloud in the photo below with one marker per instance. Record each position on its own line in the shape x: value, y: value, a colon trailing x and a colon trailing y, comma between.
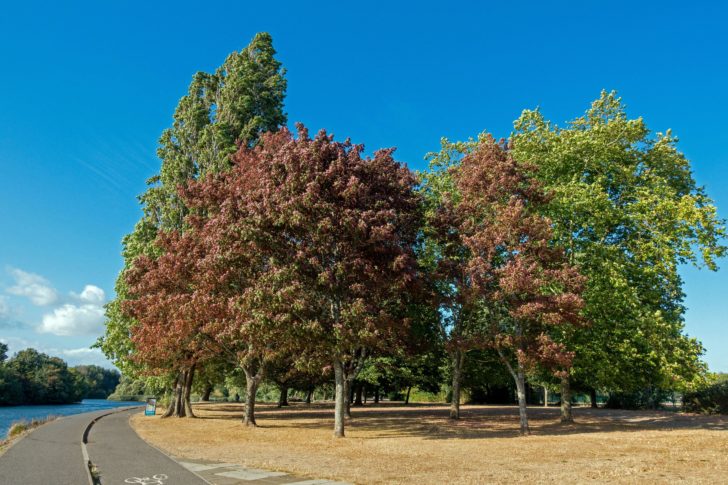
x: 32, y: 286
x: 83, y: 355
x: 79, y: 314
x: 70, y: 319
x: 91, y: 294
x: 79, y: 356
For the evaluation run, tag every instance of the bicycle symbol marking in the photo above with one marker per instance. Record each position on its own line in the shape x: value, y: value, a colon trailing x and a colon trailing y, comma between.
x: 157, y: 479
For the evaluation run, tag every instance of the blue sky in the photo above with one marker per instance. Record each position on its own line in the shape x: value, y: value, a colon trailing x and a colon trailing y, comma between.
x: 87, y: 88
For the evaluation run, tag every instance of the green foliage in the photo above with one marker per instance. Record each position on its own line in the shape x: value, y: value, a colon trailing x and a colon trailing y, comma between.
x: 627, y: 209
x: 11, y: 388
x: 486, y: 380
x: 98, y: 382
x: 138, y: 389
x: 242, y: 99
x: 645, y: 398
x: 712, y: 399
x: 718, y: 377
x: 31, y: 377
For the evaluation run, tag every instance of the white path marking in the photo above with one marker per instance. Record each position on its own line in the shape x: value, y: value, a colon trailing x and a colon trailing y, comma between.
x: 157, y: 479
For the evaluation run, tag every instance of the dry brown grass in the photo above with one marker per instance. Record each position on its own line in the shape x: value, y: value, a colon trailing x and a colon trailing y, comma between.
x: 418, y: 444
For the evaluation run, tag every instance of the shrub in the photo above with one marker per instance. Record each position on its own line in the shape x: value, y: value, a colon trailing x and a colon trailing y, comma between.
x: 648, y: 398
x: 709, y: 400
x: 17, y: 428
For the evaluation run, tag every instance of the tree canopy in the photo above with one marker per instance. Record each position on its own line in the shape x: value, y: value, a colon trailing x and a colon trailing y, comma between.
x: 266, y: 255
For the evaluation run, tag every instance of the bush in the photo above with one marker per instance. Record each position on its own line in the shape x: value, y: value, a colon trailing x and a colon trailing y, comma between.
x: 710, y: 400
x: 20, y: 427
x: 649, y: 398
x: 17, y: 428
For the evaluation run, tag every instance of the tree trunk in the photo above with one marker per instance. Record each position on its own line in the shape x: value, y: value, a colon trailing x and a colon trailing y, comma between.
x: 457, y: 366
x: 521, y: 389
x: 175, y: 405
x: 593, y: 397
x: 251, y: 389
x: 206, y: 394
x: 406, y: 399
x: 308, y: 395
x: 359, y: 392
x: 187, y: 393
x: 545, y: 396
x: 376, y: 395
x: 340, y: 399
x: 566, y: 416
x: 283, y: 398
x: 348, y: 391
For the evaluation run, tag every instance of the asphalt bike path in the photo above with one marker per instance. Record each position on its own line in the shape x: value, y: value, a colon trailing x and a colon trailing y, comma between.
x: 50, y: 454
x: 120, y: 456
x: 53, y: 455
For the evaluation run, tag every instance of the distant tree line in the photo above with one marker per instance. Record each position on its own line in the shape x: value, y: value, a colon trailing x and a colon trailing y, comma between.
x: 509, y: 270
x: 31, y: 377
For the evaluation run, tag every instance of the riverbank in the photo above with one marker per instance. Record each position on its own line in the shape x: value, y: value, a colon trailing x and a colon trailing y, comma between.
x: 419, y: 444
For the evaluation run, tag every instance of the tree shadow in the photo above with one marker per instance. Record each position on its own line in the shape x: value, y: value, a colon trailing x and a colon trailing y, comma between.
x: 428, y: 421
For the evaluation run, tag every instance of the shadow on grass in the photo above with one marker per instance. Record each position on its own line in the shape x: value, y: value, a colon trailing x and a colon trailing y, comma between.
x: 431, y: 421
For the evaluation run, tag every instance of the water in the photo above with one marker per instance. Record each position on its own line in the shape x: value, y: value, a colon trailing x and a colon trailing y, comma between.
x: 11, y: 414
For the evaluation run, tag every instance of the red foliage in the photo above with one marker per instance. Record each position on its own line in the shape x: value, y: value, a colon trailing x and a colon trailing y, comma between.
x: 512, y: 263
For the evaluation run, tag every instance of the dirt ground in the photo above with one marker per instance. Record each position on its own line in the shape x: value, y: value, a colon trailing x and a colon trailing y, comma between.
x: 419, y: 444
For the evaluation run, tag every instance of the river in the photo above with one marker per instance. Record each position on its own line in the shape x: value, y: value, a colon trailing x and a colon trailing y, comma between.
x: 11, y: 414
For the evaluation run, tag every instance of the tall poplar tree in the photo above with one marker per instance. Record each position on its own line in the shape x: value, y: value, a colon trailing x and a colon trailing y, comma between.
x: 232, y: 106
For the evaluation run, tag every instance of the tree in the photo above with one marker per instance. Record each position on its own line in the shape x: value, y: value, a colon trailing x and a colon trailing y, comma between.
x: 243, y: 98
x: 167, y: 298
x: 445, y: 256
x: 526, y: 284
x: 345, y: 227
x: 238, y: 266
x: 627, y: 210
x: 40, y: 379
x: 99, y: 383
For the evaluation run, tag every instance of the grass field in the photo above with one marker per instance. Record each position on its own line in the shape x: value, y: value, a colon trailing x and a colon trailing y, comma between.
x: 419, y: 444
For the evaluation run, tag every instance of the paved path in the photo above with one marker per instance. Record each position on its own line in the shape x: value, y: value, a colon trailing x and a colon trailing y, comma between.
x: 50, y: 454
x: 120, y: 456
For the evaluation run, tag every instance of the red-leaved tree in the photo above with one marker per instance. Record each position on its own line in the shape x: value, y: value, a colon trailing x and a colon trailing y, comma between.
x: 528, y: 287
x: 170, y: 311
x: 341, y: 228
